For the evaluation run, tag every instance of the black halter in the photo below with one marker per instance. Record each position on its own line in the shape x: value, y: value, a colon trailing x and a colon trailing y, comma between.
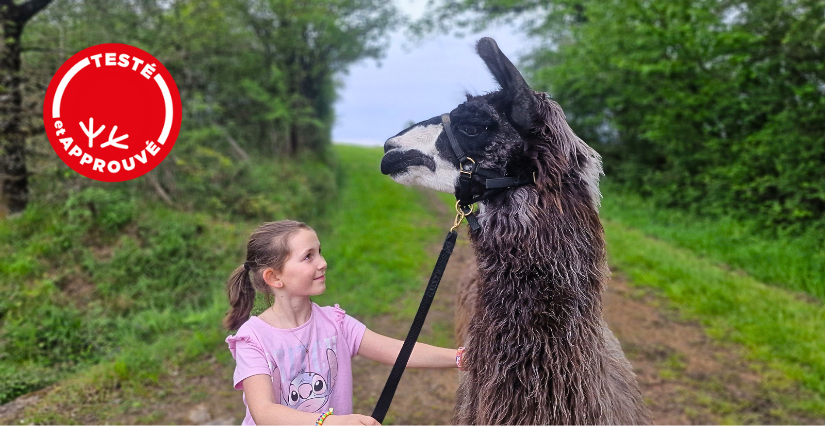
x: 494, y: 182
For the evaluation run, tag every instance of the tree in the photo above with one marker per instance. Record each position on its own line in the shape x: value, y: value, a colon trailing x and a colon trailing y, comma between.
x: 14, y: 188
x: 302, y: 45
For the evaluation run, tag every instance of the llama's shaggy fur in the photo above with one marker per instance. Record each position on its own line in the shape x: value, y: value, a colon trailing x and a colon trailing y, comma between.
x: 530, y: 314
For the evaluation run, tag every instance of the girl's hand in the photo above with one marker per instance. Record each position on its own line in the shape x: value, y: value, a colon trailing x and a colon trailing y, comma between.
x: 350, y: 419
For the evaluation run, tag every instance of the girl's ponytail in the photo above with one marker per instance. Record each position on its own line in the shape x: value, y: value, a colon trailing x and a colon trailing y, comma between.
x: 241, y: 298
x: 268, y: 247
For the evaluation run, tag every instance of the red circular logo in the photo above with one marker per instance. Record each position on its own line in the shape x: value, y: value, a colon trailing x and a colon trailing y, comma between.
x: 112, y: 112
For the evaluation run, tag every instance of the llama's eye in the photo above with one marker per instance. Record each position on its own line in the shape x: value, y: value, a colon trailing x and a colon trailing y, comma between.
x: 469, y: 130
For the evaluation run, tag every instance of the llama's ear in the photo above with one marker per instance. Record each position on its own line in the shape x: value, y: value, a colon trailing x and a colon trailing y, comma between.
x: 524, y: 104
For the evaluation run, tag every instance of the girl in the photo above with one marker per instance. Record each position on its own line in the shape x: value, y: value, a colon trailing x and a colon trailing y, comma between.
x: 293, y: 360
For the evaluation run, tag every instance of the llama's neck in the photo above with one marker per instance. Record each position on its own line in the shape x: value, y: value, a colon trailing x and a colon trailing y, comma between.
x: 537, y: 323
x: 550, y: 244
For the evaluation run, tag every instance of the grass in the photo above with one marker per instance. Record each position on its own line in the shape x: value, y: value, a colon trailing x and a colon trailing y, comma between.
x: 96, y: 390
x: 375, y: 236
x: 775, y: 325
x: 376, y: 247
x: 795, y: 263
x: 89, y: 275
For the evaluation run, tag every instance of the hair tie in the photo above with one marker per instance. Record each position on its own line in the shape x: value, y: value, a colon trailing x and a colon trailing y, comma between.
x: 246, y: 266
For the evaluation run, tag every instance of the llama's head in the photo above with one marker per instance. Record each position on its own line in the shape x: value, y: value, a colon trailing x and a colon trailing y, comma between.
x: 514, y: 130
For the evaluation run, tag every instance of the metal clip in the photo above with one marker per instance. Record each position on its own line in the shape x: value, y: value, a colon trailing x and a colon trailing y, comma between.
x: 460, y: 214
x: 458, y: 218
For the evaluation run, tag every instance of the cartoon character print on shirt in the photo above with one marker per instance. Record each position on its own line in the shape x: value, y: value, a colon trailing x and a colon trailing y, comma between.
x: 309, y: 391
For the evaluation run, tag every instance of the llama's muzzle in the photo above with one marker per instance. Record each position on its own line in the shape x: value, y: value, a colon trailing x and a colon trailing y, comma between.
x: 398, y: 161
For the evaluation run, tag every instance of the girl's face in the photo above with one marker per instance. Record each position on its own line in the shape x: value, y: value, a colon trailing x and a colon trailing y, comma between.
x: 304, y: 271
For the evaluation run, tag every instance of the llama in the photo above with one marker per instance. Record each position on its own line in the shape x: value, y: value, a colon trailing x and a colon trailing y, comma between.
x: 530, y: 313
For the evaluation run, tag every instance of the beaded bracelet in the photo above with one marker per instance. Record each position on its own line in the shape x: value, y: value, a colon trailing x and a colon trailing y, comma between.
x: 458, y: 354
x: 321, y: 419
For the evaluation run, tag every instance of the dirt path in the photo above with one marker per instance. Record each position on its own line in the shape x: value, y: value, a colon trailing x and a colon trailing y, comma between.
x: 688, y: 378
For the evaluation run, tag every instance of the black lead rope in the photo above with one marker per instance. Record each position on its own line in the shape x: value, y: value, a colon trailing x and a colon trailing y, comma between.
x: 494, y: 183
x: 406, y: 350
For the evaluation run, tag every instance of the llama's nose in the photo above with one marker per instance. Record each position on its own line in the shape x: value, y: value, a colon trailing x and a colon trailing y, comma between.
x: 389, y: 146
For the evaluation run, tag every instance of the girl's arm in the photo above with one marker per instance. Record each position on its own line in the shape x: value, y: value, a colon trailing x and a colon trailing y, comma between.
x: 386, y: 349
x: 266, y: 410
x: 264, y: 406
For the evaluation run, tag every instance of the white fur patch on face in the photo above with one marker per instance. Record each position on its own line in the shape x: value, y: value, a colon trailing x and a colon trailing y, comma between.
x: 422, y: 139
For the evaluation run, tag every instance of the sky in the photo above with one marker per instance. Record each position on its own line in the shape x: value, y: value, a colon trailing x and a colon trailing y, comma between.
x: 415, y: 82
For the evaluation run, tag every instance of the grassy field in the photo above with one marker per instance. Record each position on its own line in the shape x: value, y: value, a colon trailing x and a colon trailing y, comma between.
x: 105, y: 281
x: 779, y: 326
x: 795, y: 263
x: 376, y: 236
x: 376, y: 243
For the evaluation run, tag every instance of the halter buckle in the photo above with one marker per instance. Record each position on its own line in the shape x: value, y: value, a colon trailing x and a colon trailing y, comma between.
x: 467, y: 167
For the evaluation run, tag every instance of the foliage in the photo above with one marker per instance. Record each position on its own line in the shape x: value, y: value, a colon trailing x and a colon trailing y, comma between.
x: 259, y: 72
x: 97, y: 208
x: 91, y: 269
x: 714, y: 106
x: 19, y: 380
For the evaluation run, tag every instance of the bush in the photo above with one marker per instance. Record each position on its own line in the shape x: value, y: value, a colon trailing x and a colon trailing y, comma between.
x: 713, y: 107
x: 105, y: 211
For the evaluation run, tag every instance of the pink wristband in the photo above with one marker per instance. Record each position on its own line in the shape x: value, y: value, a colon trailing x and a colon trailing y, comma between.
x: 458, y: 354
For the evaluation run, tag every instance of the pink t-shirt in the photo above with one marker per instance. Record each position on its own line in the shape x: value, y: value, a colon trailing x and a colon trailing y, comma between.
x: 307, y: 382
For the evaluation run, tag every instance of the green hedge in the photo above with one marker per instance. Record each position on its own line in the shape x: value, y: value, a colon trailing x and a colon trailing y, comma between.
x: 715, y: 107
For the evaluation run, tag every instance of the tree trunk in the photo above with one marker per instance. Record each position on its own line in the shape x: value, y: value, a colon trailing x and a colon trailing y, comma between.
x: 13, y: 174
x: 293, y: 139
x: 14, y: 185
